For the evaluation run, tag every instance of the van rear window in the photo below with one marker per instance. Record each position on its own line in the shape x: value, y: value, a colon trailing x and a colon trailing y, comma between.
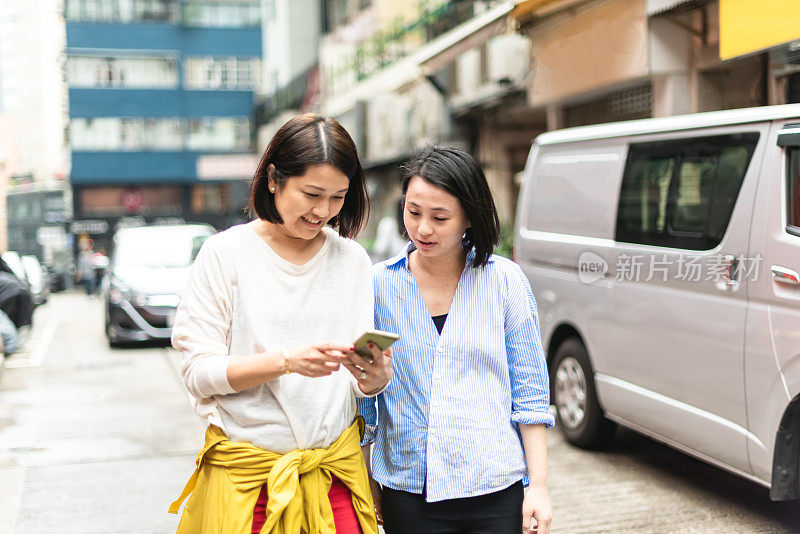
x: 681, y: 193
x: 793, y: 190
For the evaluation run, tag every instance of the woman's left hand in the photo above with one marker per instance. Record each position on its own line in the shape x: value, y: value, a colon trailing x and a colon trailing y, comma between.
x: 371, y: 376
x: 537, y: 514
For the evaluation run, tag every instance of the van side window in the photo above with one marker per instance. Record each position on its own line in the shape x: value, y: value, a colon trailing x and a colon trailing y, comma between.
x: 793, y: 191
x: 681, y: 194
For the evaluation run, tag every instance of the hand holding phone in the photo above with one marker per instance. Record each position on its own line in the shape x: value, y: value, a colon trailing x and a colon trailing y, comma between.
x: 380, y: 338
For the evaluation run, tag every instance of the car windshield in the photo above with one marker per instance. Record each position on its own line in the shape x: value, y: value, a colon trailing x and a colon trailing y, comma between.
x: 33, y: 269
x: 159, y: 249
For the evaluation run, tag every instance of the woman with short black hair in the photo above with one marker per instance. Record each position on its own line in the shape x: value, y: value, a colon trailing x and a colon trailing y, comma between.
x: 268, y: 320
x: 463, y: 421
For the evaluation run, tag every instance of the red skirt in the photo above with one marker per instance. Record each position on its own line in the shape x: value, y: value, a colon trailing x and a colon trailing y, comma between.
x: 344, y: 515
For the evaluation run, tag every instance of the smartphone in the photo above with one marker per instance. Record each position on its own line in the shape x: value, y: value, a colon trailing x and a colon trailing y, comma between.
x: 382, y: 339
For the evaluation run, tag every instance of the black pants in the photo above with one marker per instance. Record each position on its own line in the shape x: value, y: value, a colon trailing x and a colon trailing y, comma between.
x: 495, y: 513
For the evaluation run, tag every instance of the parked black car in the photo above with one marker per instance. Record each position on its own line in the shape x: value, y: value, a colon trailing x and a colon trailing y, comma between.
x: 15, y: 297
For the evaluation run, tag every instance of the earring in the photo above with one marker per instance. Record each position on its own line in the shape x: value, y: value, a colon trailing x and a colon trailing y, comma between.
x: 466, y: 239
x: 272, y: 190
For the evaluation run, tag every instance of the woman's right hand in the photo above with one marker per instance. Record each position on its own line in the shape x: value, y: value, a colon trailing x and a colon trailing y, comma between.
x: 315, y: 360
x: 375, y: 488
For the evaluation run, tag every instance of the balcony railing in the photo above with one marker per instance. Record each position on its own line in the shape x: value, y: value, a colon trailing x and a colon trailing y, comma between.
x: 388, y: 46
x: 203, y: 13
x: 291, y: 96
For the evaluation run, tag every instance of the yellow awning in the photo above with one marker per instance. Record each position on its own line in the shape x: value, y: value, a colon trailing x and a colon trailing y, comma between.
x: 746, y: 26
x: 525, y: 8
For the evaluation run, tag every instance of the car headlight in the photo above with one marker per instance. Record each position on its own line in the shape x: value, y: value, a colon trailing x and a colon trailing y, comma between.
x: 118, y: 292
x: 115, y: 294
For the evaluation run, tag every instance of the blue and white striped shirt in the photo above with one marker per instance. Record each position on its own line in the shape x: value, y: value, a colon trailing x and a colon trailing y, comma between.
x: 448, y: 419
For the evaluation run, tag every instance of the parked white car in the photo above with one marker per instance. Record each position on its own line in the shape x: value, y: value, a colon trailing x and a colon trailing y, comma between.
x: 664, y: 255
x: 149, y: 270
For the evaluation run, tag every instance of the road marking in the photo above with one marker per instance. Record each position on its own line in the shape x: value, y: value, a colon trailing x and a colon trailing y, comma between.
x: 39, y: 352
x: 10, y: 497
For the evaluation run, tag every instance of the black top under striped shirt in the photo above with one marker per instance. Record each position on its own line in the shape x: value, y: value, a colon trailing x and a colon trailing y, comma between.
x: 439, y: 320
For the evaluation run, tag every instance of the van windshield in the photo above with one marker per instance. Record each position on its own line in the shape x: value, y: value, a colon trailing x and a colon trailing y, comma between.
x: 158, y: 249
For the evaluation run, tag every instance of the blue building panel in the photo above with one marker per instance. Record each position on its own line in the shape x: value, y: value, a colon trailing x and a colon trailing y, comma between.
x: 158, y: 103
x: 125, y: 103
x: 129, y: 168
x: 222, y: 42
x: 166, y: 38
x: 155, y: 37
x: 218, y: 103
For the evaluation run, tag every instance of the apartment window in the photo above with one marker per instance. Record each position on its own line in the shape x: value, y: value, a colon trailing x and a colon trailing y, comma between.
x: 682, y: 193
x: 122, y: 11
x: 212, y: 198
x: 126, y: 134
x: 122, y: 72
x: 222, y: 14
x: 222, y: 73
x: 218, y: 134
x: 793, y: 191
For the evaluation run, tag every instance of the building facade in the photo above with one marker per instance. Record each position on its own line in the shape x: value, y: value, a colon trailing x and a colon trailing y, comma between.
x: 161, y: 102
x: 33, y: 97
x: 491, y: 75
x: 8, y: 161
x: 32, y: 87
x: 292, y: 30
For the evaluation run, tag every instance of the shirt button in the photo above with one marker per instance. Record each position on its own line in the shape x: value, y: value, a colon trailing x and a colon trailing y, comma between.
x: 432, y: 431
x: 440, y: 350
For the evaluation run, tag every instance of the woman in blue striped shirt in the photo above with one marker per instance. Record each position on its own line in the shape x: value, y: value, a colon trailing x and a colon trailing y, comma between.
x: 463, y: 420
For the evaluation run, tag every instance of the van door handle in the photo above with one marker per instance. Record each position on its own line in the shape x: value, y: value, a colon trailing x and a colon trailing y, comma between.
x: 785, y: 276
x: 730, y: 280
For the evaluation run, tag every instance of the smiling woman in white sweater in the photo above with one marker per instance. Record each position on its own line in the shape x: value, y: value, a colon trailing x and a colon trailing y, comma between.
x: 266, y: 328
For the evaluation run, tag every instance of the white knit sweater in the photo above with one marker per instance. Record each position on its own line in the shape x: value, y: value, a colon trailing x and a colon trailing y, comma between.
x: 242, y: 296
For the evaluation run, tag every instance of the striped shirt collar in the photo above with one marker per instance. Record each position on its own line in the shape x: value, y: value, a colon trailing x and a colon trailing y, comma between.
x: 401, y: 259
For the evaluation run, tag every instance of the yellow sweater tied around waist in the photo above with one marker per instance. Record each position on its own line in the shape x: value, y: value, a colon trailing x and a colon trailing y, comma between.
x: 225, y: 487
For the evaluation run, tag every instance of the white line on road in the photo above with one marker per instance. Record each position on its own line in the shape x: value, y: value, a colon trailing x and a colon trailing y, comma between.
x: 10, y: 497
x: 40, y: 350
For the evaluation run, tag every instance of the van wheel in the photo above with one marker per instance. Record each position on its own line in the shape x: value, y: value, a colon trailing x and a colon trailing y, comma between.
x: 580, y: 416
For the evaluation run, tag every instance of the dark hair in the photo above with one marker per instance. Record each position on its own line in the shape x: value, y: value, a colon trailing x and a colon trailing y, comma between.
x: 458, y: 173
x: 304, y: 141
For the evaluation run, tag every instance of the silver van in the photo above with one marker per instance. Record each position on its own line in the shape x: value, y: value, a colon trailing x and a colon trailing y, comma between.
x: 664, y: 255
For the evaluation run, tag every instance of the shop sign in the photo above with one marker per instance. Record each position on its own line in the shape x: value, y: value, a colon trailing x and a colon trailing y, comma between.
x: 94, y: 226
x: 746, y: 26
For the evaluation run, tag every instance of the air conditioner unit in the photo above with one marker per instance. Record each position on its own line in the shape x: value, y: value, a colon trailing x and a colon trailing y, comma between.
x: 468, y: 72
x: 508, y: 59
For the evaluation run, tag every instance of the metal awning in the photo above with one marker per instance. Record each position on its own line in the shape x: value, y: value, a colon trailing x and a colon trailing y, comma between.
x: 444, y: 50
x: 428, y: 59
x: 656, y: 7
x: 524, y: 9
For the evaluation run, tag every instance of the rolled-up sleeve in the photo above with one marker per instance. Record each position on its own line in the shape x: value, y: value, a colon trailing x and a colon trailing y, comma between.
x: 202, y: 325
x: 368, y: 409
x: 530, y: 384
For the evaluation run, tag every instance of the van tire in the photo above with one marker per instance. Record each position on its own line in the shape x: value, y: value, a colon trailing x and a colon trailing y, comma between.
x: 579, y: 414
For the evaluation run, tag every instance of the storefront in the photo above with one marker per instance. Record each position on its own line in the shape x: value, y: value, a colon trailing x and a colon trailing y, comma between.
x: 102, y: 210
